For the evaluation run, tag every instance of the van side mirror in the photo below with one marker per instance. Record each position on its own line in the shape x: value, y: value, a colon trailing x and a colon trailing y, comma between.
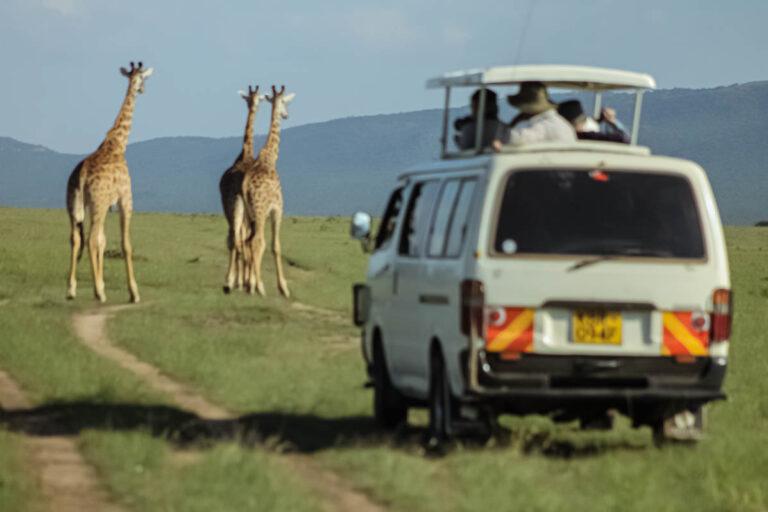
x: 360, y: 229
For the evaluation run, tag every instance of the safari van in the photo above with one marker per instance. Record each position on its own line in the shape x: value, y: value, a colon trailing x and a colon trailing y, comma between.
x: 572, y: 280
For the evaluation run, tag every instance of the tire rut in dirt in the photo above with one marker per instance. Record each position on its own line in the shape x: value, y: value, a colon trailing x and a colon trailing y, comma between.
x: 337, y: 494
x: 67, y: 481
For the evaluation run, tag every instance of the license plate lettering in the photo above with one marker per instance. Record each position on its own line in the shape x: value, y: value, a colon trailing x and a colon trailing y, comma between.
x: 596, y: 327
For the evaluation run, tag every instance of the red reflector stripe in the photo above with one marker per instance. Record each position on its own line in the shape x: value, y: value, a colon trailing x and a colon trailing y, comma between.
x: 514, y: 335
x: 680, y: 338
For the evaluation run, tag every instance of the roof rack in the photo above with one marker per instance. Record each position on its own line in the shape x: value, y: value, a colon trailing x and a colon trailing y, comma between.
x: 585, y: 78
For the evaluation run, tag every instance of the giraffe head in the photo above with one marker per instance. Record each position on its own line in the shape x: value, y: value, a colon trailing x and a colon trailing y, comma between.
x: 136, y: 76
x: 252, y: 97
x: 280, y: 101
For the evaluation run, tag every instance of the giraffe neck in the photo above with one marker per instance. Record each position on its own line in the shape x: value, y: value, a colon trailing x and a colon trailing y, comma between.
x: 269, y: 153
x: 247, y: 153
x: 118, y: 134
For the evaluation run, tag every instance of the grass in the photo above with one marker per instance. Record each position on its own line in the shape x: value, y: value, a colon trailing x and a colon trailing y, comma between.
x: 39, y: 350
x: 297, y: 375
x: 17, y: 488
x: 223, y: 478
x: 37, y: 344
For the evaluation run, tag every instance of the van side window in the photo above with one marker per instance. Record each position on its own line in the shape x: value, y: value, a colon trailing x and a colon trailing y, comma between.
x: 416, y: 223
x: 445, y: 206
x: 389, y: 220
x: 457, y: 226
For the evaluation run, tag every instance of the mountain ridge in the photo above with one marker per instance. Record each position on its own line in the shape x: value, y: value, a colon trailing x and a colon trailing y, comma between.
x: 341, y: 165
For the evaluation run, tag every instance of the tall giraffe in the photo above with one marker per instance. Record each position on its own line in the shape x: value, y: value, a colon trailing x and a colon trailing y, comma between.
x: 231, y: 187
x: 264, y: 197
x: 100, y: 181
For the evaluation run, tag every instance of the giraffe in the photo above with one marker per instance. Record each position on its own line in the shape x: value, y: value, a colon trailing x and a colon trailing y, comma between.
x: 264, y: 197
x: 230, y: 187
x: 98, y: 182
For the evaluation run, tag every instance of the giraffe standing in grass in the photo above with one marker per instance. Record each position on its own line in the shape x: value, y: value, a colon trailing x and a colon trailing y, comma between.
x: 98, y: 182
x: 231, y: 188
x: 264, y: 198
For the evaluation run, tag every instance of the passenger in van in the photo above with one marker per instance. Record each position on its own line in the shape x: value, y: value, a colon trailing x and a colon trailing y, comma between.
x: 467, y: 126
x: 607, y: 128
x: 544, y: 124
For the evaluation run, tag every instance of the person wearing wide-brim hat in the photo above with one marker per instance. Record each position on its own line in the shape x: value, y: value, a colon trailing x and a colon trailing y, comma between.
x: 544, y: 124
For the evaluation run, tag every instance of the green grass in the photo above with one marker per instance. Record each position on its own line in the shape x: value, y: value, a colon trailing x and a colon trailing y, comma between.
x: 300, y: 374
x: 37, y: 345
x: 151, y: 477
x: 39, y: 350
x: 17, y: 489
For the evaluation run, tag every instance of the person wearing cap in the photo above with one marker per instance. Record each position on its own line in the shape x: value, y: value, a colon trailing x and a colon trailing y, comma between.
x: 467, y: 126
x: 607, y: 128
x: 544, y: 124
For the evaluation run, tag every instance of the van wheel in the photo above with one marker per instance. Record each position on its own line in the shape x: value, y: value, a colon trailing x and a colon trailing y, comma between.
x: 389, y: 408
x: 443, y: 407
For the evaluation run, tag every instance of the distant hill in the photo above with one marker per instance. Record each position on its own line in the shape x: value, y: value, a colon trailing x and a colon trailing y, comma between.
x: 349, y: 164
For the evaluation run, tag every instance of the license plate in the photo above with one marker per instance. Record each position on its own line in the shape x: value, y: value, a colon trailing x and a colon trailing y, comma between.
x: 596, y: 327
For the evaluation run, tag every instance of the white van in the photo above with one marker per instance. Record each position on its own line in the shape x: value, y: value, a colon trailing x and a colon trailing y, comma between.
x: 569, y: 280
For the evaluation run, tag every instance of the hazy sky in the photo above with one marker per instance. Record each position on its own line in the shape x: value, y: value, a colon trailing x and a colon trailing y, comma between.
x: 61, y: 87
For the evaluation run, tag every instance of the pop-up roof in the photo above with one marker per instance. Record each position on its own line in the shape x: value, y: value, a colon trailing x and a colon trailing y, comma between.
x: 566, y: 77
x: 585, y: 78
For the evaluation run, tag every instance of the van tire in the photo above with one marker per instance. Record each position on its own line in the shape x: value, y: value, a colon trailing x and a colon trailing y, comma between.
x: 389, y: 406
x: 443, y: 408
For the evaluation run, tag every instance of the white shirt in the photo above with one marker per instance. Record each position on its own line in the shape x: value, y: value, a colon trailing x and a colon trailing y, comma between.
x: 548, y: 126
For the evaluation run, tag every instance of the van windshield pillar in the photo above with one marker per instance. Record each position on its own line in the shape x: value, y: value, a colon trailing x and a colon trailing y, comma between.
x: 598, y: 105
x: 636, y: 116
x: 480, y: 121
x: 446, y: 114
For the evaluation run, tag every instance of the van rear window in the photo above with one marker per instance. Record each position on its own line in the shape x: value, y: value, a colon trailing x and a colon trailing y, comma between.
x: 595, y: 212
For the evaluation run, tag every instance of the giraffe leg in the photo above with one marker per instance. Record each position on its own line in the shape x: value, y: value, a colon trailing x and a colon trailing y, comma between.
x: 126, y: 210
x: 77, y: 242
x: 236, y: 244
x: 282, y: 284
x: 257, y: 253
x: 241, y: 257
x: 76, y: 211
x: 96, y: 243
x: 248, y: 232
x: 240, y: 270
x: 232, y: 260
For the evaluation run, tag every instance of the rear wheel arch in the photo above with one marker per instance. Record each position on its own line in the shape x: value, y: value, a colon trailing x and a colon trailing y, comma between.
x: 376, y: 336
x: 377, y: 344
x: 436, y: 350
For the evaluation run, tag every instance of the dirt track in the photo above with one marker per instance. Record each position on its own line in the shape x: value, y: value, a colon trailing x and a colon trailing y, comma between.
x: 68, y: 483
x: 336, y: 493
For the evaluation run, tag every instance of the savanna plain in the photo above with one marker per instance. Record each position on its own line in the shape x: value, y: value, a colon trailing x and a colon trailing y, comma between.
x: 291, y: 370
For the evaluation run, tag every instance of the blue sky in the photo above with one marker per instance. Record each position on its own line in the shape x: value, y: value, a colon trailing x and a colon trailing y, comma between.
x: 61, y: 85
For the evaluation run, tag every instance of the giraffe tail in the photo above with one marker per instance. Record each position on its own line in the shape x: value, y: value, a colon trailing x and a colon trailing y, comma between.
x: 76, y: 204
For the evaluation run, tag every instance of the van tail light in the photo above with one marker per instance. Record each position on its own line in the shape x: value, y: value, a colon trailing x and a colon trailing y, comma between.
x: 472, y: 307
x: 722, y: 313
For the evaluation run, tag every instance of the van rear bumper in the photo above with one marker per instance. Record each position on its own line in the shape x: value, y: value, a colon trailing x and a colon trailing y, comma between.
x: 544, y: 383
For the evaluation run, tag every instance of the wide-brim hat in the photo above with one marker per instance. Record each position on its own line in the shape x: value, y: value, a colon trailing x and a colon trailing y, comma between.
x: 532, y: 98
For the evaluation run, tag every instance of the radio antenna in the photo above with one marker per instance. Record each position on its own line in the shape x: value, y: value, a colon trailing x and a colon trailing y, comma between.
x: 524, y: 31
